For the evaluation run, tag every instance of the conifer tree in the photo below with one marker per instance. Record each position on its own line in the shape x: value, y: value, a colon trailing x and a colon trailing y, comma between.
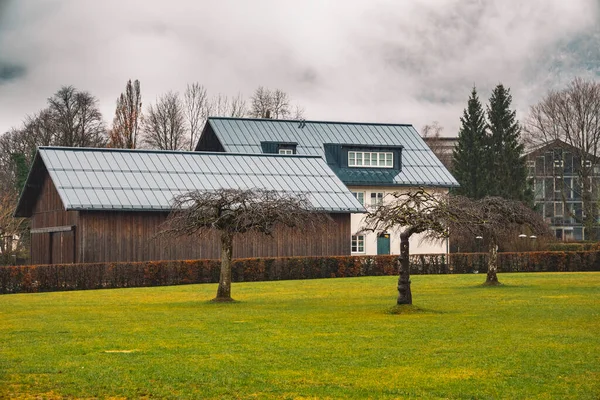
x: 468, y: 158
x: 507, y: 171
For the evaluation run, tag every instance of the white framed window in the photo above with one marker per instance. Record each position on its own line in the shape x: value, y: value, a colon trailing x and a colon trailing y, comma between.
x: 559, y: 209
x: 358, y: 243
x: 586, y: 163
x: 531, y: 168
x: 558, y: 163
x: 371, y: 159
x: 376, y: 198
x: 558, y: 185
x: 286, y: 151
x: 360, y: 196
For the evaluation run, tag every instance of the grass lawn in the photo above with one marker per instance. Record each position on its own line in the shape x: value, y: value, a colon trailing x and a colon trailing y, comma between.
x: 536, y: 337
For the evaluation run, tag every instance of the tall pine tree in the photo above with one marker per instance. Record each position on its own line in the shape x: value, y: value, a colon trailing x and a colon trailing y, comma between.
x: 468, y: 158
x: 507, y: 171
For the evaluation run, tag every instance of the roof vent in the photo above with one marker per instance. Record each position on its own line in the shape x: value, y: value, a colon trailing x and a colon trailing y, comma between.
x: 302, y: 123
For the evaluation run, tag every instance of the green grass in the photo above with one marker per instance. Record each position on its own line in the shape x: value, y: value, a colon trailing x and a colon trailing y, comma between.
x: 537, y: 336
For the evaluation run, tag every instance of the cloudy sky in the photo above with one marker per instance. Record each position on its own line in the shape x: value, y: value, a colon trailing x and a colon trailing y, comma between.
x: 371, y: 60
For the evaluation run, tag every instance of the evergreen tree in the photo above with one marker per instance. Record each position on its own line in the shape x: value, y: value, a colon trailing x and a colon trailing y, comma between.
x: 21, y: 168
x: 468, y: 158
x: 507, y: 171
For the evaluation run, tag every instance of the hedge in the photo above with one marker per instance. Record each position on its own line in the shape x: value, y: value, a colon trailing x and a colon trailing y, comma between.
x: 58, y: 277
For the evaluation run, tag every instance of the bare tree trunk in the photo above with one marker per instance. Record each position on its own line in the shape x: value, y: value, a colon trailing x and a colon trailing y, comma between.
x: 224, y: 290
x: 404, y: 293
x: 492, y: 277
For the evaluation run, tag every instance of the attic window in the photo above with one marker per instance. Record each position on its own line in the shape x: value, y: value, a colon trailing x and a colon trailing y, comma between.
x: 371, y: 159
x: 286, y: 148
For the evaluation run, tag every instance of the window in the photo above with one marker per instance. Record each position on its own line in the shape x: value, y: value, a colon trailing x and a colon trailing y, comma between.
x: 376, y: 198
x: 558, y: 185
x: 370, y: 159
x: 586, y: 163
x: 538, y: 189
x: 360, y: 196
x: 530, y: 168
x: 286, y: 151
x: 558, y: 163
x: 559, y: 209
x: 358, y: 243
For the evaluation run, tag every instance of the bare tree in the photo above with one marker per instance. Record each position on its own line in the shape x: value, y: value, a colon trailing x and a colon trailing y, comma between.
x: 38, y: 130
x: 572, y: 115
x: 164, y: 124
x: 436, y: 215
x: 238, y: 107
x: 266, y: 103
x: 495, y: 219
x: 233, y: 212
x: 441, y: 147
x: 124, y: 132
x: 13, y: 231
x: 77, y: 118
x: 412, y: 212
x: 196, y: 111
x: 260, y: 103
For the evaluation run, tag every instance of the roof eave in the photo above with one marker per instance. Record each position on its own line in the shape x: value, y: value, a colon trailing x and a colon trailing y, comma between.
x: 408, y: 184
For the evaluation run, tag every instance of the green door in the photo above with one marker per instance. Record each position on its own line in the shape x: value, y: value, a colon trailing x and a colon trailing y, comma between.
x: 383, y: 243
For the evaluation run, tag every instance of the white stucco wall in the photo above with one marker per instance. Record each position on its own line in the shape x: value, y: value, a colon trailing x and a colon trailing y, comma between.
x: 417, y: 244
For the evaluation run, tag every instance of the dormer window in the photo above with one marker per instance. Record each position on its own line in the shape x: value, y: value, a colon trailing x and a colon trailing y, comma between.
x: 371, y: 159
x: 286, y: 148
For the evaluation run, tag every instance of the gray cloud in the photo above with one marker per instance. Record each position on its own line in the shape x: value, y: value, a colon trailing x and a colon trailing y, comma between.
x: 10, y: 72
x: 409, y: 62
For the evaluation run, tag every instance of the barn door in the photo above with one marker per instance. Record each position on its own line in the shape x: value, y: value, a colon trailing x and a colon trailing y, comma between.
x: 62, y: 250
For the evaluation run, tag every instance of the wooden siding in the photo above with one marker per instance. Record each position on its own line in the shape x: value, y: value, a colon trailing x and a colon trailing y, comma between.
x: 57, y: 247
x: 132, y: 236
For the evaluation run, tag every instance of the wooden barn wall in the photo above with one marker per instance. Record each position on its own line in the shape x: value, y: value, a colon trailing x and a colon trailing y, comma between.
x: 50, y: 212
x: 132, y: 236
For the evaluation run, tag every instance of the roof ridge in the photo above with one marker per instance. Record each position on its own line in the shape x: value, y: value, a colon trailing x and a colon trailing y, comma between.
x: 309, y: 121
x: 154, y: 151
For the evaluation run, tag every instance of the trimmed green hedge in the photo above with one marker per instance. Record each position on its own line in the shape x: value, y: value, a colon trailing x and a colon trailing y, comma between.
x: 46, y: 278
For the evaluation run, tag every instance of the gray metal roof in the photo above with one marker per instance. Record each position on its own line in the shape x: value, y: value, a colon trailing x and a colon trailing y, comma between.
x: 115, y: 179
x: 420, y: 166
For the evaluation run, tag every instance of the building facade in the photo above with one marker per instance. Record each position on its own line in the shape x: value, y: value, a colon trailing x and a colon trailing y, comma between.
x: 372, y: 160
x: 563, y: 180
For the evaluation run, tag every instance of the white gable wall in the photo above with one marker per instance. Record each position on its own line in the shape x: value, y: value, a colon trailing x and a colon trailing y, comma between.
x: 417, y: 244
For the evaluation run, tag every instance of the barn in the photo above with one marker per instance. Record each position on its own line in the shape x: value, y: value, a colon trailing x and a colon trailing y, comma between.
x: 107, y: 205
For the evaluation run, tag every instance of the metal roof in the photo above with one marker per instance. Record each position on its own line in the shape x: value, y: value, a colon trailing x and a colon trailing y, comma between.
x: 420, y: 166
x: 116, y: 179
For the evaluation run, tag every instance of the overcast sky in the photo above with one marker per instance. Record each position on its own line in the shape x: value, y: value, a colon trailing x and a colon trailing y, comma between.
x: 373, y: 60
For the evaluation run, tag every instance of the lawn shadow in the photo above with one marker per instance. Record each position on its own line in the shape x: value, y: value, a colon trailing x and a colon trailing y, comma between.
x: 494, y: 287
x: 195, y: 303
x: 411, y: 309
